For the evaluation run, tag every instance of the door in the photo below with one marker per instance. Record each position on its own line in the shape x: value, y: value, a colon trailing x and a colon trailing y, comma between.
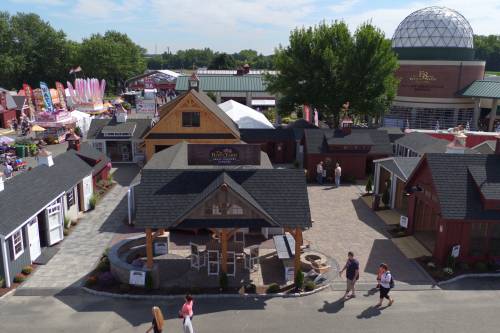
x: 55, y: 223
x: 34, y: 239
x: 87, y: 191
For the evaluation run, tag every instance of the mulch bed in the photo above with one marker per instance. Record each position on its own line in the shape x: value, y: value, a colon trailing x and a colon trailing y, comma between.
x: 438, y: 274
x: 14, y: 285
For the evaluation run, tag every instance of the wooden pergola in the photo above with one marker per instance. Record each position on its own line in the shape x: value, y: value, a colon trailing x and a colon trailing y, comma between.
x: 224, y: 235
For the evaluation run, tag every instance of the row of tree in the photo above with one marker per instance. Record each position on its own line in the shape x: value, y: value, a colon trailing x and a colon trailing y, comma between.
x: 488, y: 48
x: 190, y: 58
x: 32, y: 51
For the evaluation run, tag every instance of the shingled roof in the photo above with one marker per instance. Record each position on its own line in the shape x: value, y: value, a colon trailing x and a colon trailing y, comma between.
x: 163, y: 196
x: 137, y: 127
x: 26, y: 194
x: 456, y: 178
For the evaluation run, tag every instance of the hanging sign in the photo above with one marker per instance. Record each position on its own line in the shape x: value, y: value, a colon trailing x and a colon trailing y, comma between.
x: 137, y: 278
x: 47, y: 99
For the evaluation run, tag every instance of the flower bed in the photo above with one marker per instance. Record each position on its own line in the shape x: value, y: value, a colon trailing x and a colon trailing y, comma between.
x: 18, y: 279
x: 454, y: 268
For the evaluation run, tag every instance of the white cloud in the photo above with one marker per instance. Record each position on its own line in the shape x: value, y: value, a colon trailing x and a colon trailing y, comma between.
x: 106, y: 9
x: 344, y: 6
x: 39, y: 2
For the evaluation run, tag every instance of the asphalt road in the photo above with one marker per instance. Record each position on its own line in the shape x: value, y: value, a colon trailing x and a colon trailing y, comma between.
x: 458, y: 309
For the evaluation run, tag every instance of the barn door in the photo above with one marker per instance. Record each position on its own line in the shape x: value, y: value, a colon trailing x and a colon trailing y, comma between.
x: 55, y: 223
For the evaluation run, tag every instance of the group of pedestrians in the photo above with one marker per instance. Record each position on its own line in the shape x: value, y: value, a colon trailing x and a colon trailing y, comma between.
x: 321, y: 173
x: 385, y: 281
x: 186, y: 314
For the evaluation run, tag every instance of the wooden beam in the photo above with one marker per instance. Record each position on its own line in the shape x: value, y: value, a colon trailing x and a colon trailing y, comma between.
x: 223, y: 239
x: 232, y: 232
x: 149, y: 248
x: 161, y: 231
x: 291, y: 231
x: 298, y: 244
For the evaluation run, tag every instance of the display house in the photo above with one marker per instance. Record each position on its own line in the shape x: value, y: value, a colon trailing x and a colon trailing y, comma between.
x: 33, y: 206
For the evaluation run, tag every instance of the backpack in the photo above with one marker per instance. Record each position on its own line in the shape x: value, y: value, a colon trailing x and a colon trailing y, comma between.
x: 391, y: 283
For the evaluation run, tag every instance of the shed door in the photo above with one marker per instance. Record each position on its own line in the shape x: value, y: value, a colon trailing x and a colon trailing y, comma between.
x: 34, y: 239
x: 55, y: 223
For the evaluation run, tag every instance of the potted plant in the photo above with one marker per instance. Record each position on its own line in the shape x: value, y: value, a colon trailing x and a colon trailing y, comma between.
x: 369, y: 185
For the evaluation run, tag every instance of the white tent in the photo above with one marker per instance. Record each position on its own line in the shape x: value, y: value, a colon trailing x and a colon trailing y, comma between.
x: 245, y: 116
x: 83, y: 121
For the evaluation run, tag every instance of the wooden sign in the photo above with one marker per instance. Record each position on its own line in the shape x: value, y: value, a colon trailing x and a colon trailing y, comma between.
x: 231, y: 154
x: 137, y: 278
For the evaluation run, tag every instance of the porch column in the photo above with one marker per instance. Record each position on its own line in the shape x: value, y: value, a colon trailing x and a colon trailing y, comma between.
x: 223, y: 239
x: 477, y: 112
x: 376, y: 178
x: 298, y: 244
x: 394, y: 180
x: 149, y: 248
x: 493, y: 114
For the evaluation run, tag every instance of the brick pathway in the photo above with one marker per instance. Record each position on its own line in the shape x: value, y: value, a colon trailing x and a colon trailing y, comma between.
x: 344, y: 223
x: 80, y: 251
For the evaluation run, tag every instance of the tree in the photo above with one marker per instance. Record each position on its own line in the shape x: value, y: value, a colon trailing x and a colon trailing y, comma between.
x: 31, y: 51
x: 112, y: 56
x: 488, y: 48
x: 222, y: 61
x: 369, y: 184
x: 324, y: 66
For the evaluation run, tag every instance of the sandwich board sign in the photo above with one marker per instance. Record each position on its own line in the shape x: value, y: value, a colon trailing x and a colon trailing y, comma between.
x: 455, y: 251
x: 137, y: 278
x: 403, y: 221
x: 161, y: 248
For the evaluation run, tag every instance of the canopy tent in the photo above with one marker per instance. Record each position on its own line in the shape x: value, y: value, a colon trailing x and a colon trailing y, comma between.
x: 83, y: 121
x: 245, y: 116
x: 6, y: 140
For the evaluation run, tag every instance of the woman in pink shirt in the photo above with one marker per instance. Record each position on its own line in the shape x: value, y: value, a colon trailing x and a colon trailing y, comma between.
x: 187, y: 308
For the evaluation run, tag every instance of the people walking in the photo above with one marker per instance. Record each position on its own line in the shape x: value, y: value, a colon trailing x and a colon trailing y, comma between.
x: 386, y: 284
x: 319, y: 173
x: 158, y: 321
x: 186, y: 313
x: 352, y: 275
x: 379, y: 275
x: 338, y: 174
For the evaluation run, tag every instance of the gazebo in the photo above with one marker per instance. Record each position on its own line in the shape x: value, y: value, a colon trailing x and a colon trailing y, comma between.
x: 225, y: 189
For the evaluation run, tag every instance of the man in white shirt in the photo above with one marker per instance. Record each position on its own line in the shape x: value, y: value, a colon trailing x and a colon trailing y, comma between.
x: 338, y: 173
x: 319, y: 173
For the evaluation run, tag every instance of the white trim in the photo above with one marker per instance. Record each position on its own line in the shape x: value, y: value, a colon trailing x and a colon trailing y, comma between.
x: 17, y: 255
x: 34, y: 215
x: 5, y: 261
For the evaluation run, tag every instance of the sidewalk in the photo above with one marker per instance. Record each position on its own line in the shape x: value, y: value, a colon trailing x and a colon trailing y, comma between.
x: 80, y: 251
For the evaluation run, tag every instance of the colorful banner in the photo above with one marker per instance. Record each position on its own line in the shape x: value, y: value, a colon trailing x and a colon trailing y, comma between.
x: 47, y: 98
x: 62, y: 95
x: 3, y: 100
x: 149, y: 83
x: 29, y: 98
x: 38, y: 100
x: 307, y: 112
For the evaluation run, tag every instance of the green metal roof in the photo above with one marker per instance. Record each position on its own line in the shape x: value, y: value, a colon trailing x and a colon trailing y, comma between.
x: 483, y: 88
x: 252, y: 83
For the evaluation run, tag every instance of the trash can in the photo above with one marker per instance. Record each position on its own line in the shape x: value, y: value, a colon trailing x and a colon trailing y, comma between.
x: 376, y: 201
x: 21, y: 151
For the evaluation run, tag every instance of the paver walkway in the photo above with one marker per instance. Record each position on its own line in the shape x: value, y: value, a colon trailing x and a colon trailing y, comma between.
x: 342, y: 223
x: 80, y: 251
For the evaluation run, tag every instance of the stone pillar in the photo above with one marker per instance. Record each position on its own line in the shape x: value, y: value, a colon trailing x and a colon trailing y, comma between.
x: 493, y: 114
x: 218, y: 98
x: 477, y: 113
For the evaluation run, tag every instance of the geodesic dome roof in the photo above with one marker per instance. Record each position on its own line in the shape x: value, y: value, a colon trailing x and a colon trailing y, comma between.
x: 434, y: 27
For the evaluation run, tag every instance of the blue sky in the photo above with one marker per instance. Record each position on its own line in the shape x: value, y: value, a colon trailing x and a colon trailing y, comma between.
x: 232, y: 25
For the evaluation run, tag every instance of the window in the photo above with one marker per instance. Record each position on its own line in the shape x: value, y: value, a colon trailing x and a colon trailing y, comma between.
x: 216, y: 210
x: 70, y: 198
x: 190, y: 119
x: 17, y: 243
x: 99, y: 146
x: 235, y: 210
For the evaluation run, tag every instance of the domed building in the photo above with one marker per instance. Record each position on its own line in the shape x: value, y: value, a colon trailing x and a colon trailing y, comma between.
x: 435, y: 47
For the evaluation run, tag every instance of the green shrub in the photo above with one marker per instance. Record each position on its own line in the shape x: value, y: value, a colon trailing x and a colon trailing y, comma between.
x: 110, y: 178
x: 250, y: 288
x: 67, y: 222
x: 65, y: 232
x: 452, y: 262
x: 464, y: 266
x: 274, y: 288
x: 93, y: 200
x: 105, y: 253
x: 299, y: 279
x: 19, y: 278
x: 296, y: 164
x: 223, y: 281
x: 369, y: 184
x: 2, y: 282
x: 309, y: 285
x: 27, y: 270
x: 103, y: 265
x: 127, y: 106
x: 149, y: 281
x: 481, y: 266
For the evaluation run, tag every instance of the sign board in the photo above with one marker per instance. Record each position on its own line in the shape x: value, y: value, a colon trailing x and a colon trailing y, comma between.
x: 455, y: 251
x: 149, y: 83
x: 403, y: 221
x: 146, y: 106
x: 234, y: 154
x: 47, y: 98
x: 289, y: 273
x: 161, y: 248
x: 137, y: 278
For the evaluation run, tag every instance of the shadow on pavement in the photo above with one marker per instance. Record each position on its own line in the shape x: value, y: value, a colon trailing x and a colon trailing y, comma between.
x: 476, y: 283
x: 370, y: 312
x: 333, y: 307
x: 125, y: 173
